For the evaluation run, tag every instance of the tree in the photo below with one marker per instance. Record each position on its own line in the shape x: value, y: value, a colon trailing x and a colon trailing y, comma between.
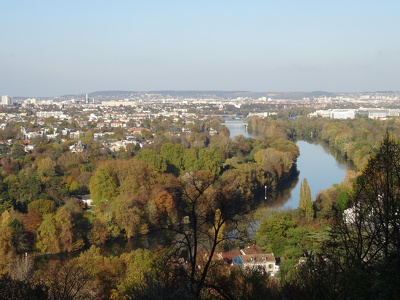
x: 164, y: 210
x: 272, y: 233
x: 42, y: 206
x: 18, y: 150
x: 67, y: 279
x: 209, y: 214
x: 371, y: 227
x: 57, y: 233
x: 103, y: 184
x: 153, y: 160
x: 325, y: 204
x: 130, y: 215
x: 365, y: 241
x: 30, y: 186
x: 46, y: 168
x: 22, y: 268
x: 305, y: 203
x: 138, y: 263
x: 15, y: 289
x: 6, y: 242
x: 279, y: 162
x: 190, y: 160
x: 173, y: 154
x: 210, y: 160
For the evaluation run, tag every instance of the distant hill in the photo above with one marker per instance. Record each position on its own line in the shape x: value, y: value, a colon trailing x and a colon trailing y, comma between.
x: 112, y: 93
x: 219, y: 94
x: 222, y: 94
x: 300, y: 95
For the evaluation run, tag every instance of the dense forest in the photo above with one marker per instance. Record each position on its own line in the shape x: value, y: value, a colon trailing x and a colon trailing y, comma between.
x: 208, y: 179
x: 197, y: 194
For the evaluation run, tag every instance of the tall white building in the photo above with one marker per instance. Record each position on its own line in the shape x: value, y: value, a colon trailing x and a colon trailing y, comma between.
x: 6, y: 100
x: 343, y: 113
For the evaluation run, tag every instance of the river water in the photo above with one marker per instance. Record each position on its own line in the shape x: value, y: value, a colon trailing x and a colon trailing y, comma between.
x: 315, y: 163
x: 319, y: 167
x: 238, y: 128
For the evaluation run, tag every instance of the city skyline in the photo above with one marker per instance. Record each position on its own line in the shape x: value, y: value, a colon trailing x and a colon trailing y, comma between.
x: 51, y: 49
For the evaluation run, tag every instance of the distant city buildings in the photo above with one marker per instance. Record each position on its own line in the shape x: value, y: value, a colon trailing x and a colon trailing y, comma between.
x: 48, y: 114
x: 342, y: 113
x: 372, y: 113
x: 130, y: 121
x: 119, y: 103
x: 260, y: 114
x: 6, y: 100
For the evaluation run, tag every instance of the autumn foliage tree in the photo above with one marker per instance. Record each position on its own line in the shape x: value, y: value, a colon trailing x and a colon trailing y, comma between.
x: 121, y: 190
x: 57, y: 233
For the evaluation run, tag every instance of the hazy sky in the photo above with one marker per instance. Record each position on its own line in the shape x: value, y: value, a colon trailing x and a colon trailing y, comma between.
x: 50, y: 48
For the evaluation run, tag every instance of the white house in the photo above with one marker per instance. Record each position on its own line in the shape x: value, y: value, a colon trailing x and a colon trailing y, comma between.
x: 257, y: 262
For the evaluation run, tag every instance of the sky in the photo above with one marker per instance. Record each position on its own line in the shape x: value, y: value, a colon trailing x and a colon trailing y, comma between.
x: 51, y: 48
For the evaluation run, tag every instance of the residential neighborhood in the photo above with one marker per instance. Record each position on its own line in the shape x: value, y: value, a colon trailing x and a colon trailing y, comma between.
x: 137, y: 117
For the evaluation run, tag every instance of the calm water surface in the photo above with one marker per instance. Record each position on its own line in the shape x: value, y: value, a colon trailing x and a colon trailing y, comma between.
x: 237, y: 127
x: 315, y: 163
x: 319, y: 167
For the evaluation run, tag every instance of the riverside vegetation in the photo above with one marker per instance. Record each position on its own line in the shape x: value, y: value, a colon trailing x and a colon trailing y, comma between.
x: 198, y: 192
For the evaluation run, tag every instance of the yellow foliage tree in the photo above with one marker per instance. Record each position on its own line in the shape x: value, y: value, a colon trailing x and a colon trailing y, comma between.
x: 6, y: 247
x: 56, y: 233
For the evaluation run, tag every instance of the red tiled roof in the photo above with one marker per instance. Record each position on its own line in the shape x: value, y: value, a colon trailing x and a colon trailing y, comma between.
x: 230, y: 255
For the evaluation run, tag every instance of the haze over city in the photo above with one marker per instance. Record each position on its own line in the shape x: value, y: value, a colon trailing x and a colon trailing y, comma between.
x: 53, y: 48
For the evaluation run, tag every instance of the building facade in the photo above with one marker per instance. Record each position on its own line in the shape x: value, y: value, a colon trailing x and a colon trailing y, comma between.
x: 6, y: 100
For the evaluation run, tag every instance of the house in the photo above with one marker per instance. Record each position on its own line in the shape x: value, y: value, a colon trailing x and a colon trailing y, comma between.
x: 86, y: 200
x: 65, y: 131
x: 77, y: 147
x: 102, y: 124
x: 74, y: 135
x: 250, y: 258
x: 29, y: 148
x: 212, y: 131
x: 117, y: 124
x: 228, y: 256
x: 33, y: 134
x: 117, y: 145
x: 257, y: 262
x: 98, y: 135
x: 137, y: 130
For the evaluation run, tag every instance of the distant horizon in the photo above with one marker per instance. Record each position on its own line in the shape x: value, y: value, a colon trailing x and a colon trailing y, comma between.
x: 198, y: 90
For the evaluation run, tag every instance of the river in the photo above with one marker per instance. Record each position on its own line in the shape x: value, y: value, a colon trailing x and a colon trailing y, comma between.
x: 237, y: 127
x: 315, y: 163
x: 319, y: 167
